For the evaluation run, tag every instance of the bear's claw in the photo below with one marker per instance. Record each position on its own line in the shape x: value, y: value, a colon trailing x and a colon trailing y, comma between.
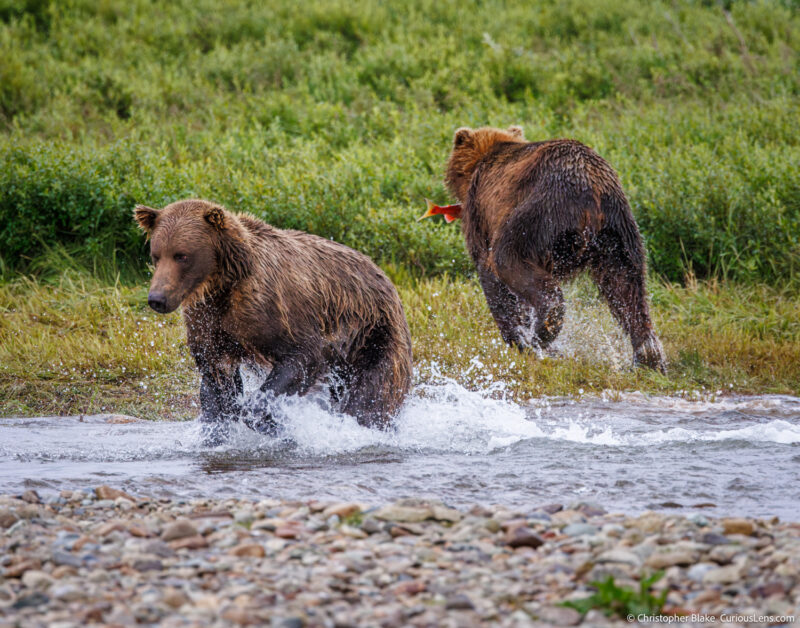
x: 651, y: 354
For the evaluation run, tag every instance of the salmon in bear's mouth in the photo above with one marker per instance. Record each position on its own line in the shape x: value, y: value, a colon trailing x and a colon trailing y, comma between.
x: 450, y: 212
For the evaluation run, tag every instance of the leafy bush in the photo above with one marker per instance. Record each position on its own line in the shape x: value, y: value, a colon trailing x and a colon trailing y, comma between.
x: 337, y: 118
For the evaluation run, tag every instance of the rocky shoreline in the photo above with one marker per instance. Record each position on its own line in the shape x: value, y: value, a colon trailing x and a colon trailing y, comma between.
x: 108, y: 557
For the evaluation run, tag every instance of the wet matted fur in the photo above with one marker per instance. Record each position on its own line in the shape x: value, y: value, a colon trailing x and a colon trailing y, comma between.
x: 537, y: 213
x: 308, y: 308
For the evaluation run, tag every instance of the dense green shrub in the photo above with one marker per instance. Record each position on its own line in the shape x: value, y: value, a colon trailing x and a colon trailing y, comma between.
x: 336, y: 117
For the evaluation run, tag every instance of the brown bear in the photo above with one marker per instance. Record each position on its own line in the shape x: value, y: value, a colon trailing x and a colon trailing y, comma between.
x: 537, y: 213
x: 307, y: 308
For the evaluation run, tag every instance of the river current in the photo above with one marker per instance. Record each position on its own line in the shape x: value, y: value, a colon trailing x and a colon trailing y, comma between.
x: 726, y: 455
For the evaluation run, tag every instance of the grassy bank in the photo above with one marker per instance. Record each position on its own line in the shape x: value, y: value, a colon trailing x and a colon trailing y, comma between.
x: 336, y: 118
x: 74, y: 345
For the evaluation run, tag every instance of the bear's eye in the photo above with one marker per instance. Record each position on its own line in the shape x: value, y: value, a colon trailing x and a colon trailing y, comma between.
x: 180, y: 257
x: 155, y: 260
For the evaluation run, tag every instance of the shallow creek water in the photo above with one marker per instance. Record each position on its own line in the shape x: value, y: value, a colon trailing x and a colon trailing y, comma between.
x: 733, y: 456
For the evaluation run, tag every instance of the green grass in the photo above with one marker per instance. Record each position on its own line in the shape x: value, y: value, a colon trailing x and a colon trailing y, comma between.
x: 80, y: 346
x: 613, y: 599
x: 74, y: 344
x: 336, y: 117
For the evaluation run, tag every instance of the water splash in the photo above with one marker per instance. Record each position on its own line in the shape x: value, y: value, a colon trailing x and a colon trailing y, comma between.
x: 590, y: 332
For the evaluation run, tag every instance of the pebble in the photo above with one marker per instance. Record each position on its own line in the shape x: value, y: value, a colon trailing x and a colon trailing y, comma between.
x: 420, y: 563
x: 580, y: 529
x: 459, y: 602
x: 287, y: 532
x: 31, y: 600
x: 148, y: 565
x: 239, y: 616
x: 35, y: 579
x: 251, y: 550
x: 648, y: 522
x: 107, y: 493
x: 7, y: 518
x: 738, y: 526
x: 341, y: 510
x: 178, y: 530
x: 558, y: 615
x: 63, y: 571
x: 698, y: 571
x: 174, y: 598
x: 189, y: 542
x: 352, y: 532
x: 30, y: 496
x: 371, y: 526
x: 698, y: 519
x: 65, y: 558
x: 723, y: 575
x: 403, y: 514
x: 67, y: 593
x: 124, y: 504
x: 523, y: 537
x: 711, y: 538
x: 724, y: 554
x: 662, y: 560
x: 244, y: 516
x: 620, y: 556
x: 442, y: 513
x: 19, y: 568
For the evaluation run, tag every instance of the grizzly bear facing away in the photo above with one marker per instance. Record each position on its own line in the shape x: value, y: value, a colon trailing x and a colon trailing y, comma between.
x: 307, y: 308
x: 537, y: 213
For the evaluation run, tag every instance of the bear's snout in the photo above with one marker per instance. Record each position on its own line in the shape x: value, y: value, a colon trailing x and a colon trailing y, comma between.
x: 157, y: 301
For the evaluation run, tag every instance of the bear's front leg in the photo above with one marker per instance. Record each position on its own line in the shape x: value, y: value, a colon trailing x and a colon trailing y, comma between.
x: 289, y: 376
x: 218, y: 400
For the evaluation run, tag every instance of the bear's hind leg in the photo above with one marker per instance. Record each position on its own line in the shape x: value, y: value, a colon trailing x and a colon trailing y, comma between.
x: 520, y: 257
x: 373, y: 398
x: 622, y: 285
x: 539, y: 288
x: 512, y: 314
x: 378, y: 379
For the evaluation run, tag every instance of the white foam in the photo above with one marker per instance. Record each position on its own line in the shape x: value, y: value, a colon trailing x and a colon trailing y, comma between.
x: 443, y: 416
x: 700, y: 402
x: 776, y: 431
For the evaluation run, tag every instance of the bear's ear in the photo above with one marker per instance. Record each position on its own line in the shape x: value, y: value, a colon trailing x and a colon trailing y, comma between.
x: 516, y: 131
x: 462, y: 136
x: 215, y: 216
x: 146, y: 217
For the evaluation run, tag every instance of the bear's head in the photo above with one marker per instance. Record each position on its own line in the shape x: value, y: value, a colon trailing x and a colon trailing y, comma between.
x: 469, y: 147
x: 196, y: 247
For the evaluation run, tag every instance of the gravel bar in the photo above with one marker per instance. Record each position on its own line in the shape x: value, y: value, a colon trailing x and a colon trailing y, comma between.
x: 103, y: 556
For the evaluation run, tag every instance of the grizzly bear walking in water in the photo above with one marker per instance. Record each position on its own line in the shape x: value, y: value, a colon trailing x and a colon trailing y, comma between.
x: 306, y: 307
x: 537, y: 213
